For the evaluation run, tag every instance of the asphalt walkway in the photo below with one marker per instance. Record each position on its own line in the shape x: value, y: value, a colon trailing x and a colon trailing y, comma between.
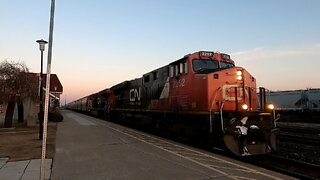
x: 87, y: 148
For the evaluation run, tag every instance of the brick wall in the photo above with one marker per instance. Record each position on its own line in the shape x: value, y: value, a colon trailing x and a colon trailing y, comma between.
x: 3, y: 108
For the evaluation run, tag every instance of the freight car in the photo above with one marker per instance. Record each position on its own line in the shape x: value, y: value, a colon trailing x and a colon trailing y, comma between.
x: 301, y: 106
x: 296, y: 100
x: 200, y: 95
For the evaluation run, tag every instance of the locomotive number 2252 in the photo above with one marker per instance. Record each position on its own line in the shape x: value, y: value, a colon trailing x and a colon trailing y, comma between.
x: 179, y: 83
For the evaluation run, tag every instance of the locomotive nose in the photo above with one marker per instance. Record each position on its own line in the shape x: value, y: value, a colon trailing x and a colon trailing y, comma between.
x: 249, y: 136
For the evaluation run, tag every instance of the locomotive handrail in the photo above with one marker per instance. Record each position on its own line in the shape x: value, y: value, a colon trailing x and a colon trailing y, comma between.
x: 276, y: 118
x: 215, y: 96
x: 221, y: 117
x: 210, y: 111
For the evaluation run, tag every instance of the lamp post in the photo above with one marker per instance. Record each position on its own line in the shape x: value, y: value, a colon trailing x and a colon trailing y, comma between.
x: 42, y: 44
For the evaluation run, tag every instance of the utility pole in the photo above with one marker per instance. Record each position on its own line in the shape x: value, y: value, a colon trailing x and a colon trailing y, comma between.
x: 45, y: 123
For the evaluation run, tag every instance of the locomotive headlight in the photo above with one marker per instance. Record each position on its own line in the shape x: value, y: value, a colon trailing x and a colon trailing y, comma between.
x: 245, y: 107
x: 239, y: 78
x: 270, y: 106
x: 239, y: 75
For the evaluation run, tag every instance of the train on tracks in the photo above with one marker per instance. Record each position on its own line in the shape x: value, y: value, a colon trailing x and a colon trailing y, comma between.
x: 301, y: 106
x: 296, y: 100
x: 200, y: 95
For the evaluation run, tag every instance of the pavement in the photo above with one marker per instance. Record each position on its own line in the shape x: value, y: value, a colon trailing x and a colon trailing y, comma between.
x: 87, y: 148
x: 23, y: 170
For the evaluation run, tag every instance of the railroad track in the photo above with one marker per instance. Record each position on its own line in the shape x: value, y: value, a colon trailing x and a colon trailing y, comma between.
x: 298, y: 151
x: 299, y: 146
x: 286, y: 166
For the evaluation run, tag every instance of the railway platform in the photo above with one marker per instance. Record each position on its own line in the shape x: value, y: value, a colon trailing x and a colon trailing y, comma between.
x: 89, y: 148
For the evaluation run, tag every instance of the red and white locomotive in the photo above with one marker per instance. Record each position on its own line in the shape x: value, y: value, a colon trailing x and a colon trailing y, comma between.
x: 200, y: 95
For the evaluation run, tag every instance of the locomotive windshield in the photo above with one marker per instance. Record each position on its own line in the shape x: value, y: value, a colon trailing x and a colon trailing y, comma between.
x: 225, y: 65
x: 205, y: 66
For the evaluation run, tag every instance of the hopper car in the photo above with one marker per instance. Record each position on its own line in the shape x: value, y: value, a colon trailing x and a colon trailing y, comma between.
x: 296, y: 100
x: 297, y: 105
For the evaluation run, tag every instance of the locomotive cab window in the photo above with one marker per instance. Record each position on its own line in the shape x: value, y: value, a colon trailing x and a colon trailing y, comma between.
x: 171, y: 71
x: 205, y: 66
x: 155, y: 75
x: 178, y: 69
x: 225, y: 65
x: 146, y: 78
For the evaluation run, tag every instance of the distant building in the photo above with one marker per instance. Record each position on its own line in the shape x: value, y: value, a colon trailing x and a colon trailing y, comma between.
x: 31, y: 108
x: 56, y: 88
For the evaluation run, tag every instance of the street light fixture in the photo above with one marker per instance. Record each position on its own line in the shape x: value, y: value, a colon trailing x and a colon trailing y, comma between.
x: 42, y: 44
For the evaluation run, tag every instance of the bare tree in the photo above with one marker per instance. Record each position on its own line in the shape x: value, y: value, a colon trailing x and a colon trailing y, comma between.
x: 16, y: 84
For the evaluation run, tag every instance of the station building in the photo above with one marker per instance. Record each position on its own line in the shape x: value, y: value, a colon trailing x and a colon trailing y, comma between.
x: 31, y: 108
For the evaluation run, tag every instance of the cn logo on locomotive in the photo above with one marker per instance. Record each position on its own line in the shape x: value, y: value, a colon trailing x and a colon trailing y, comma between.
x: 135, y: 94
x: 228, y: 91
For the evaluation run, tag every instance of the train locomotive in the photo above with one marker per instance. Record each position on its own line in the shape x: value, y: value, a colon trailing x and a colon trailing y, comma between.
x: 200, y: 95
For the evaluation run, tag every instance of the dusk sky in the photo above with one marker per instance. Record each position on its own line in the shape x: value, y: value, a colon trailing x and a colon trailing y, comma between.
x: 99, y: 43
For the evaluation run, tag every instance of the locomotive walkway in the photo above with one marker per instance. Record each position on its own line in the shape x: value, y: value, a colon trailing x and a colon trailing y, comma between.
x: 88, y: 148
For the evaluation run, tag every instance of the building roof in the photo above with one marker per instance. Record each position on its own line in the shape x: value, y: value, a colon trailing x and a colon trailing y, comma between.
x: 55, y: 84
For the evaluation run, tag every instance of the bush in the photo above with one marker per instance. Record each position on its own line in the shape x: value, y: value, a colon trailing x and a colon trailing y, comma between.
x: 53, y: 116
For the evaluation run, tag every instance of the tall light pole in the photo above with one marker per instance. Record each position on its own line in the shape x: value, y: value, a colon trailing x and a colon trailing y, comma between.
x: 45, y: 120
x: 42, y: 44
